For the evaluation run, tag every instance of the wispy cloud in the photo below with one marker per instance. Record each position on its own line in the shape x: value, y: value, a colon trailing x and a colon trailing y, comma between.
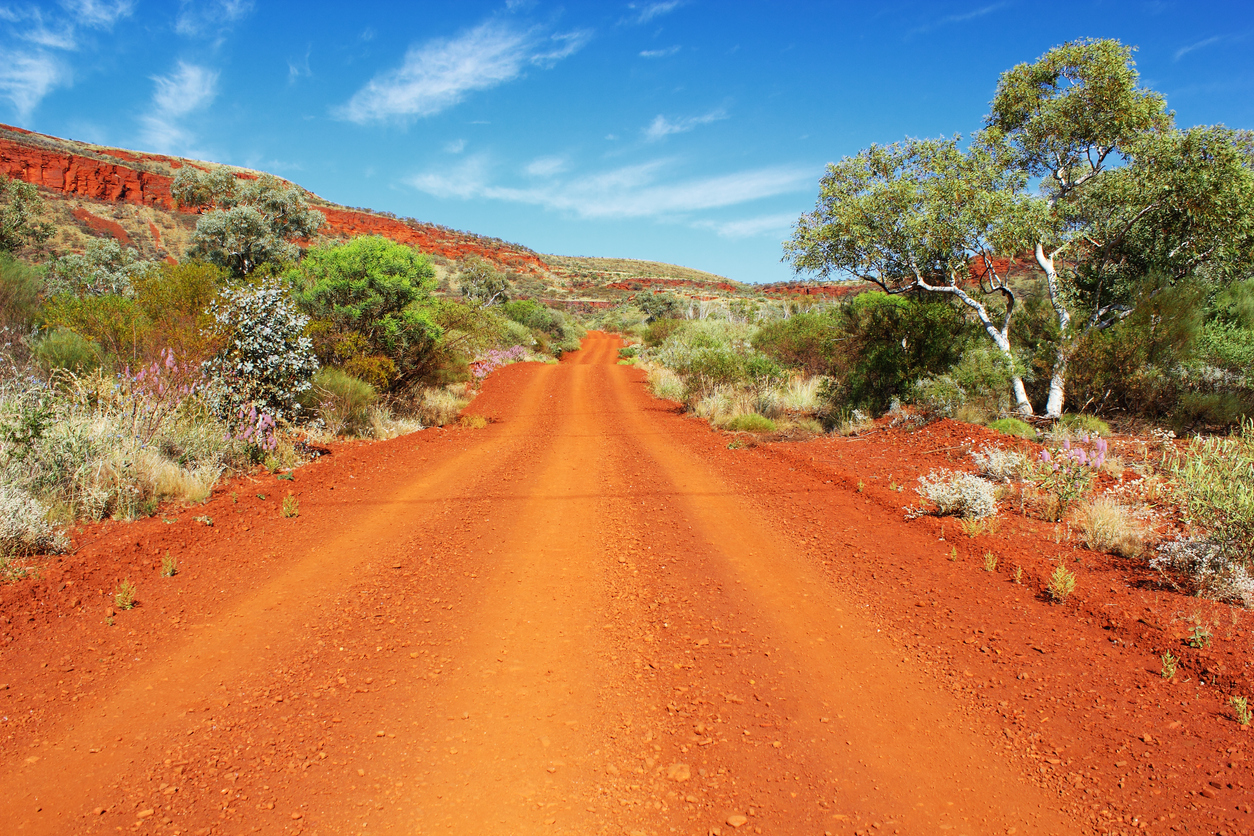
x: 177, y: 95
x: 198, y: 18
x: 644, y: 12
x: 661, y: 127
x: 547, y: 166
x: 440, y: 73
x: 26, y: 77
x: 960, y: 17
x: 659, y: 53
x: 1202, y: 44
x: 298, y: 67
x: 456, y: 146
x: 751, y: 227
x: 644, y: 190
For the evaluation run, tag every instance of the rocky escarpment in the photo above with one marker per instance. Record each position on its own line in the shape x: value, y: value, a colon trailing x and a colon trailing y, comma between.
x: 70, y: 170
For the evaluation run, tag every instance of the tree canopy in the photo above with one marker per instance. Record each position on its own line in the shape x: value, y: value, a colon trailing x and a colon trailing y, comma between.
x: 1123, y: 195
x: 246, y: 222
x: 20, y: 210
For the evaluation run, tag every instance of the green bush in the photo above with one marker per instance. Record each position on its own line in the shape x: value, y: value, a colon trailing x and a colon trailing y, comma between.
x: 341, y: 400
x: 807, y: 341
x: 661, y: 330
x: 20, y: 286
x: 1081, y: 423
x: 66, y: 350
x: 1013, y: 426
x: 1214, y: 480
x: 751, y: 422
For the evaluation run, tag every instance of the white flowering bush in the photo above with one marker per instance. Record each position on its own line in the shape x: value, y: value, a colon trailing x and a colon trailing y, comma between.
x: 1206, y: 568
x: 959, y: 494
x: 267, y: 361
x: 24, y: 526
x: 1001, y: 465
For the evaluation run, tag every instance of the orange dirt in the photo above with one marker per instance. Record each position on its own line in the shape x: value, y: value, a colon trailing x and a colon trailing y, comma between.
x: 593, y: 617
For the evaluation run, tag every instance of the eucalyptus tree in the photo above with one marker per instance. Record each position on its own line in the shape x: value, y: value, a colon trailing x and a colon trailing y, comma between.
x: 1120, y: 196
x: 245, y: 222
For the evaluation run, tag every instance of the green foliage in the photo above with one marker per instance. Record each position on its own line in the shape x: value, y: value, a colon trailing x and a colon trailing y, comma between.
x: 124, y: 598
x: 105, y: 267
x: 751, y: 422
x: 20, y: 289
x: 62, y: 349
x: 659, y: 331
x: 372, y: 298
x: 808, y: 341
x: 482, y: 283
x: 20, y: 208
x: 265, y: 359
x: 1087, y: 424
x: 658, y: 306
x: 341, y: 400
x: 1168, y: 670
x: 1061, y: 583
x: 1013, y: 426
x: 249, y: 222
x: 1214, y: 481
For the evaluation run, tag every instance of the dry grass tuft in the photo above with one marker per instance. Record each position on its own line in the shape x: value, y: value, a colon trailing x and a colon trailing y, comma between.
x: 1107, y: 525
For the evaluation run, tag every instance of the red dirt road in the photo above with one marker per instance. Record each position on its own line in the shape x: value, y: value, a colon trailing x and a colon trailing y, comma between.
x: 591, y: 617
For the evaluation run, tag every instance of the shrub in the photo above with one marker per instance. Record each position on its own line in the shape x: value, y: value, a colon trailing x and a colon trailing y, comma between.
x: 1061, y: 583
x: 66, y: 350
x: 24, y: 526
x: 1066, y: 472
x: 1213, y: 479
x: 961, y: 494
x: 751, y: 422
x: 1106, y: 525
x: 20, y: 287
x: 664, y: 383
x: 440, y: 406
x: 1206, y: 570
x: 266, y: 359
x: 1013, y: 426
x: 341, y: 400
x: 1001, y: 465
x: 1087, y: 424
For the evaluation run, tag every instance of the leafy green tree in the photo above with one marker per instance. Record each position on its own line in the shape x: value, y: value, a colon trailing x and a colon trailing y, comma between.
x: 104, y: 267
x: 20, y: 208
x: 246, y: 222
x: 482, y: 283
x: 658, y: 306
x: 374, y: 296
x: 1123, y: 195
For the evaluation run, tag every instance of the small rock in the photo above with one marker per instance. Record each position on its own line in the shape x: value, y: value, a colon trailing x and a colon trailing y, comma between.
x: 1207, y: 792
x: 678, y: 772
x: 737, y: 820
x: 297, y: 816
x: 143, y: 814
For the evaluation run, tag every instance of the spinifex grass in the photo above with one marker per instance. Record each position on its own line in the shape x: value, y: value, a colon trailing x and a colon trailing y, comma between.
x: 124, y: 598
x: 990, y: 562
x: 291, y: 507
x: 1241, y: 706
x: 1169, y: 665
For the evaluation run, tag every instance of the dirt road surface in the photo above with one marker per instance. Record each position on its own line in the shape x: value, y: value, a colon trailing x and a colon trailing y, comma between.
x: 574, y: 621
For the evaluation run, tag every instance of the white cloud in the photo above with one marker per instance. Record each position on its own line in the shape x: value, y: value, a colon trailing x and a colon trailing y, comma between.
x: 661, y: 127
x: 100, y: 14
x: 547, y: 166
x: 961, y: 17
x: 636, y: 191
x: 659, y: 53
x: 299, y: 67
x: 1202, y: 44
x: 644, y: 12
x: 26, y: 77
x: 442, y: 72
x: 188, y: 89
x: 456, y: 146
x: 750, y: 227
x: 201, y: 17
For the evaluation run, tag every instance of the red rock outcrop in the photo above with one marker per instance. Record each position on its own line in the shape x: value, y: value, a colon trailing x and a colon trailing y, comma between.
x: 103, y: 226
x: 114, y: 175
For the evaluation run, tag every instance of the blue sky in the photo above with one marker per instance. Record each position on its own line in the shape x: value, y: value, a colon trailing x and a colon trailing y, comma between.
x: 687, y: 131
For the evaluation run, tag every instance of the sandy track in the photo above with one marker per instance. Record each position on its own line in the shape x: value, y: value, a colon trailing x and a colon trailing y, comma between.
x: 567, y: 623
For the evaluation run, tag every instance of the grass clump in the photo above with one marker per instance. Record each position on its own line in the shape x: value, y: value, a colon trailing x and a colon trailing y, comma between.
x: 1107, y: 525
x: 1168, y: 670
x: 1087, y: 424
x: 169, y: 566
x: 959, y: 494
x: 1241, y: 707
x: 990, y: 562
x: 473, y: 422
x: 290, y: 509
x: 1015, y: 427
x: 751, y: 422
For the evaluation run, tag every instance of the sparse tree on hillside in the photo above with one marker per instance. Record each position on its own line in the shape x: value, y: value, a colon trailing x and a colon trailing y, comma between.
x: 482, y: 283
x: 246, y: 222
x: 104, y: 267
x: 20, y: 208
x: 1123, y: 196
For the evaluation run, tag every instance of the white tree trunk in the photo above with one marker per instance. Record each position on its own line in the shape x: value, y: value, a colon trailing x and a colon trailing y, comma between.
x: 1057, y: 383
x: 1002, y: 341
x: 1058, y: 380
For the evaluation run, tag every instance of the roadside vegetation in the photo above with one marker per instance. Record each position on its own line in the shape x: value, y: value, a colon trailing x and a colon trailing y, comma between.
x: 125, y: 383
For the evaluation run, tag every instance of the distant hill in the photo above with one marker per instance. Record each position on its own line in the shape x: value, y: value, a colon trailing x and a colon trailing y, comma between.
x: 94, y: 191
